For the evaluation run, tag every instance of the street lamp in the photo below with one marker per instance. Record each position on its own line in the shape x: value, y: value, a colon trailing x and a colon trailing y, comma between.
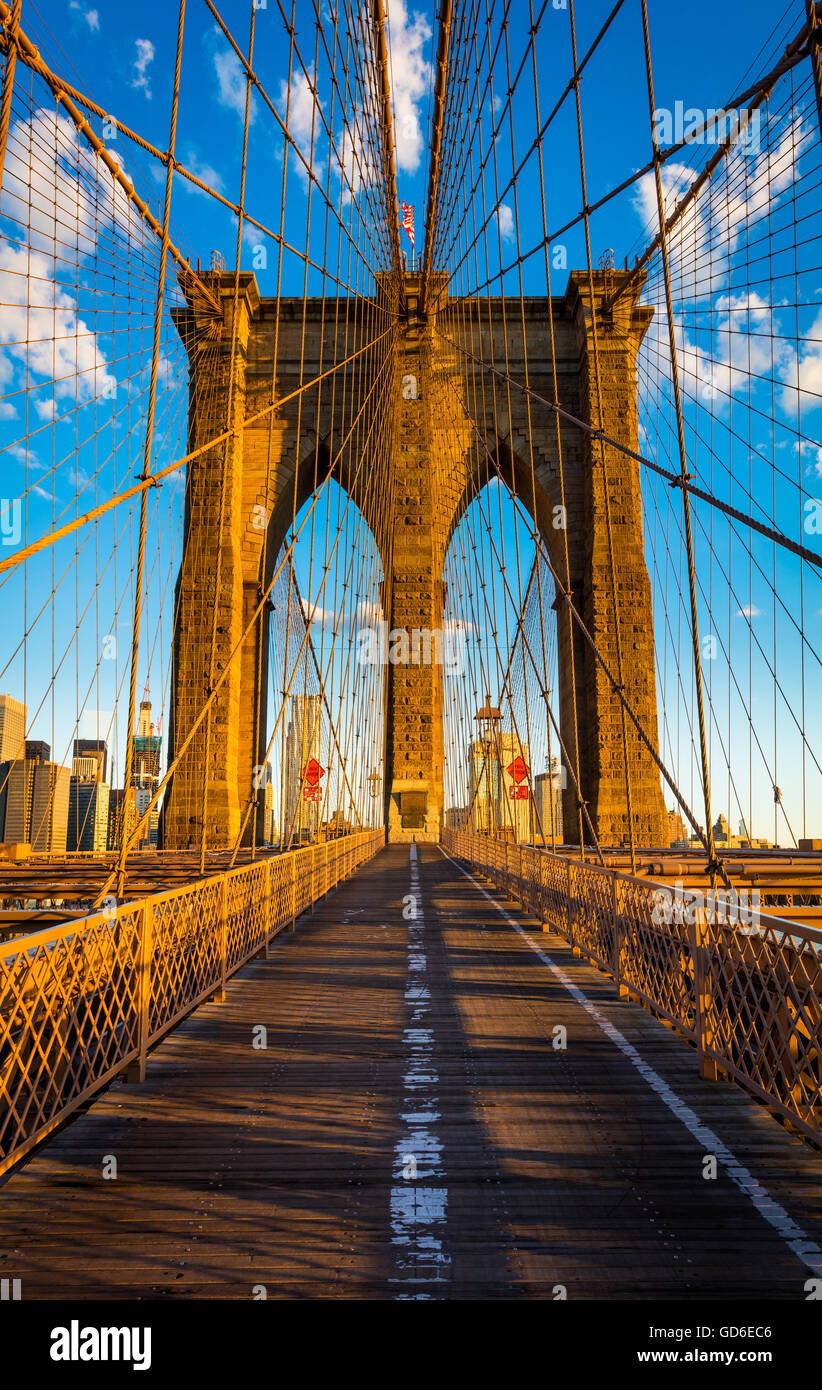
x: 488, y: 717
x: 373, y: 779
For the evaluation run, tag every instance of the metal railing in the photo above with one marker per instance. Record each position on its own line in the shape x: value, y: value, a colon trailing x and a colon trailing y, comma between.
x: 746, y: 993
x: 84, y: 1001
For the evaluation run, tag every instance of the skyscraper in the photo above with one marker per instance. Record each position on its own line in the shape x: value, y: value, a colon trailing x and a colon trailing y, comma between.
x: 548, y: 788
x: 121, y: 808
x: 148, y: 746
x: 269, y: 825
x: 302, y: 743
x: 12, y: 728
x: 88, y: 797
x: 88, y: 815
x: 49, y: 808
x: 501, y: 803
x: 145, y: 772
x: 90, y: 759
x: 17, y: 792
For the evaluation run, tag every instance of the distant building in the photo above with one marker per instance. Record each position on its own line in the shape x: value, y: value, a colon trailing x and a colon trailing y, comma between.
x: 17, y: 795
x: 16, y: 786
x: 88, y: 797
x: 724, y: 838
x: 90, y: 759
x: 122, y: 806
x: 269, y: 824
x: 146, y: 751
x: 150, y: 832
x: 678, y: 832
x: 722, y: 831
x: 12, y: 728
x: 302, y: 743
x: 88, y: 816
x: 37, y: 751
x: 147, y: 748
x: 548, y: 793
x: 49, y: 808
x: 500, y: 804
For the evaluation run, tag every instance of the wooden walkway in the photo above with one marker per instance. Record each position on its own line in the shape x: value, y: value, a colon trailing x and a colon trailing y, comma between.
x: 411, y: 1130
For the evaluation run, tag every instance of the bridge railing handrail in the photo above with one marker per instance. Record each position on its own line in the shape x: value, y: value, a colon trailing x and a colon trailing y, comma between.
x: 82, y: 1002
x: 746, y: 993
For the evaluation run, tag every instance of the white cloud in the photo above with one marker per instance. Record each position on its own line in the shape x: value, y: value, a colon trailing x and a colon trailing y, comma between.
x: 805, y: 448
x: 354, y: 162
x: 410, y: 76
x: 744, y: 341
x: 803, y: 373
x: 231, y: 80
x: 144, y: 59
x: 57, y: 190
x: 62, y: 199
x: 321, y: 617
x: 303, y: 119
x: 741, y: 337
x: 91, y: 17
x: 40, y: 326
x: 23, y: 455
x: 750, y: 612
x: 204, y: 171
x: 368, y: 613
x: 741, y: 191
x: 505, y: 217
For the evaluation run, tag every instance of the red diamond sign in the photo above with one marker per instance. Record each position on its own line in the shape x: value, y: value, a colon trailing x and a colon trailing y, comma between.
x: 312, y: 773
x: 518, y: 769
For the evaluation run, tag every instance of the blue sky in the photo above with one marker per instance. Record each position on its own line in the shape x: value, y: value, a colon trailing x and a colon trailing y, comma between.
x: 124, y: 58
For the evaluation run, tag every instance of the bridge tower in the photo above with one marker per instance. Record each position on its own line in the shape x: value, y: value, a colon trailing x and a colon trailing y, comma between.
x: 441, y: 442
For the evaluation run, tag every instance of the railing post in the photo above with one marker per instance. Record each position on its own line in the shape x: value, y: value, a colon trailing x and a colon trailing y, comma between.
x: 570, y: 910
x: 218, y: 997
x: 136, y: 1070
x: 616, y: 951
x: 267, y: 906
x: 293, y: 859
x: 708, y: 1068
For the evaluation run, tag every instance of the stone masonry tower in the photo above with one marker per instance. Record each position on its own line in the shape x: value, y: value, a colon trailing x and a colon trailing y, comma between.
x: 443, y: 438
x: 415, y: 600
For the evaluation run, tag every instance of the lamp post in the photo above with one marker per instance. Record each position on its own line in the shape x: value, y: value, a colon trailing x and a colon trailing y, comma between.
x: 373, y: 780
x: 488, y: 718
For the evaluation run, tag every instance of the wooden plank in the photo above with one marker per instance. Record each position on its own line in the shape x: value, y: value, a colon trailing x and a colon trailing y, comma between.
x: 388, y: 1041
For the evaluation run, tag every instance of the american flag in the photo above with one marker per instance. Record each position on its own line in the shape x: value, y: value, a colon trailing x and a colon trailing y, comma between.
x: 408, y: 220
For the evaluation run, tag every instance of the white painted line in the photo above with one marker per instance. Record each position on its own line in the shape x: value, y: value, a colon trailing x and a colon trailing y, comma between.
x: 418, y: 1209
x: 795, y: 1238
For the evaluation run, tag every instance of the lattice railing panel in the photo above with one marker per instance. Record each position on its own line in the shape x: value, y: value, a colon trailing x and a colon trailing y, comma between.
x: 763, y: 1017
x: 247, y: 905
x: 82, y: 1002
x: 749, y: 996
x: 68, y: 1019
x: 186, y: 951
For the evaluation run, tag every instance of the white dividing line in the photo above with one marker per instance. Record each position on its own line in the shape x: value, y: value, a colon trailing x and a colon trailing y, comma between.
x: 785, y: 1226
x: 418, y: 1210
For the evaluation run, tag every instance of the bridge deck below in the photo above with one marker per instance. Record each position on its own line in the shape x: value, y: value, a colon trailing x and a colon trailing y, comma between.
x: 411, y: 1130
